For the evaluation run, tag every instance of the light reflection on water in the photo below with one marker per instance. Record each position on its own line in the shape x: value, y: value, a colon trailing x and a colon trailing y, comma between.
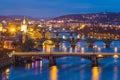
x: 66, y: 69
x: 115, y: 73
x: 54, y: 73
x: 41, y: 66
x: 95, y: 73
x: 5, y: 74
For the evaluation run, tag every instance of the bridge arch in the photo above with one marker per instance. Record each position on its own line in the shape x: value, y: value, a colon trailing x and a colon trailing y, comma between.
x: 98, y: 45
x: 64, y: 45
x: 64, y: 35
x: 81, y: 44
x: 115, y: 43
x: 48, y: 45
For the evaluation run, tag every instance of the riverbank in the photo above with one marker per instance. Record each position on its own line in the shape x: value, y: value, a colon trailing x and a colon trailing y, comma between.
x: 5, y: 60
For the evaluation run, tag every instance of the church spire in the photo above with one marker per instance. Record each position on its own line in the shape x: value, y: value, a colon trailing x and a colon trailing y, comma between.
x: 25, y: 21
x: 24, y: 25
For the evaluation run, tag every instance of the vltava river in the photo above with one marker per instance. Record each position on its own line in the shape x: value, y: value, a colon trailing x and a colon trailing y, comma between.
x: 67, y: 68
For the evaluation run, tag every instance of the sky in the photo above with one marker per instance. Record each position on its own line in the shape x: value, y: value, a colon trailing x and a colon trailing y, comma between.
x: 55, y: 8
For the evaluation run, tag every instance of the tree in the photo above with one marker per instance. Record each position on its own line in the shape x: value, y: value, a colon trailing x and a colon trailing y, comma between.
x: 28, y: 45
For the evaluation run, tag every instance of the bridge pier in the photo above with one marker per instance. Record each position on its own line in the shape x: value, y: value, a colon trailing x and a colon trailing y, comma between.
x: 107, y: 45
x: 94, y: 60
x: 52, y: 61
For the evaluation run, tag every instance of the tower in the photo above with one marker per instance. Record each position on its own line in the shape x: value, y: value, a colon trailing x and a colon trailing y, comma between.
x: 24, y: 27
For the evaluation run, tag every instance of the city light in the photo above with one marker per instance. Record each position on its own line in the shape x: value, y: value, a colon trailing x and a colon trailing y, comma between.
x: 58, y: 41
x: 82, y: 26
x: 115, y: 56
x: 24, y: 28
x: 54, y: 73
x: 95, y: 73
x: 12, y: 30
x: 1, y: 28
x: 100, y: 55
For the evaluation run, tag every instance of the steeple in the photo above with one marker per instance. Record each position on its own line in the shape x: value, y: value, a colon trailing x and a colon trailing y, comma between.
x: 24, y: 25
x: 25, y: 21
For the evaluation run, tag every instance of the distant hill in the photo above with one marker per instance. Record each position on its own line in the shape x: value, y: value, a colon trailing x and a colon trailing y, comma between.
x: 106, y: 17
x: 12, y: 17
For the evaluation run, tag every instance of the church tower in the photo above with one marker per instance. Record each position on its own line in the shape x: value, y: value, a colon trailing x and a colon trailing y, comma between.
x: 24, y: 25
x: 24, y: 29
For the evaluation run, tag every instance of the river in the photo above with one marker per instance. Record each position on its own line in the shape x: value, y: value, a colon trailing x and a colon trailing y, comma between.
x: 67, y: 68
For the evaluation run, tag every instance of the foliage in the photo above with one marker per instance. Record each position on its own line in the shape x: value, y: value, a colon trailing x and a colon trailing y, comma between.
x: 28, y: 45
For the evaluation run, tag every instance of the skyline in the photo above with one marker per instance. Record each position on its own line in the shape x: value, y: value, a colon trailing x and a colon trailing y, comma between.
x: 55, y: 8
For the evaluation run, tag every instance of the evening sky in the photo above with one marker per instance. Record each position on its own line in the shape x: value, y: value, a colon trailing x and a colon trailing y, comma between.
x: 54, y: 8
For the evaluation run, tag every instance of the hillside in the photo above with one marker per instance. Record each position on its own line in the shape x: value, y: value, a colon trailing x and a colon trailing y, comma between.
x: 108, y: 17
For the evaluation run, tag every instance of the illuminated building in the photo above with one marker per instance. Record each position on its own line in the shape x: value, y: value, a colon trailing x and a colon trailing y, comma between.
x: 7, y: 44
x: 48, y: 45
x: 48, y: 35
x: 24, y: 25
x: 24, y: 28
x: 0, y: 31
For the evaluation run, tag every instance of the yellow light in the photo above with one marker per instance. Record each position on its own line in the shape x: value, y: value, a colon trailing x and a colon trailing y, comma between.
x: 5, y: 46
x: 13, y: 51
x: 0, y: 28
x: 53, y: 73
x: 24, y: 28
x: 4, y: 30
x: 31, y: 29
x: 115, y: 56
x: 7, y: 70
x: 99, y: 55
x: 95, y: 73
x: 82, y: 26
x: 48, y: 45
x: 28, y: 66
x: 12, y: 29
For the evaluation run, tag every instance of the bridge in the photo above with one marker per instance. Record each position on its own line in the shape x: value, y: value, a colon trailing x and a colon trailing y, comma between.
x: 74, y: 41
x: 52, y: 56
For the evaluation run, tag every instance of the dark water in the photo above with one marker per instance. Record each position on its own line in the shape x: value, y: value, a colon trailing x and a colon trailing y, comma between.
x: 67, y: 68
